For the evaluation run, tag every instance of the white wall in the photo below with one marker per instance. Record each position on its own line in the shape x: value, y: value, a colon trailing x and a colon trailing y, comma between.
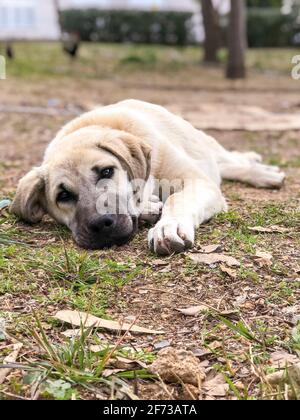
x: 185, y: 5
x: 28, y: 19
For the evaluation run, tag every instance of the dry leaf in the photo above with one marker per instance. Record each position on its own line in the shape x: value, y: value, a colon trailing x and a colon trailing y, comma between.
x: 215, y: 345
x: 201, y: 352
x: 10, y: 359
x: 125, y: 361
x: 162, y: 344
x: 264, y: 258
x: 211, y: 259
x: 216, y: 387
x: 160, y: 263
x: 270, y: 229
x: 193, y: 310
x: 209, y: 249
x: 101, y: 347
x: 109, y: 372
x: 78, y: 319
x: 240, y: 300
x: 233, y: 313
x: 229, y: 271
x: 71, y: 333
x: 289, y: 376
x: 282, y: 359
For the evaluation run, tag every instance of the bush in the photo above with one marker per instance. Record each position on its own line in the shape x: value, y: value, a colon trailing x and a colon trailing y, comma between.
x: 270, y: 28
x: 171, y: 28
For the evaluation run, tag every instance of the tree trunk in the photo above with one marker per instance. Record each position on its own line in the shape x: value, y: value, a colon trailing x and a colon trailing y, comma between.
x: 237, y: 40
x: 9, y: 51
x: 58, y: 15
x: 212, y: 31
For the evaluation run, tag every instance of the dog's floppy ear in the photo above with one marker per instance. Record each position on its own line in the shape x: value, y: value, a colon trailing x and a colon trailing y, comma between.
x: 132, y: 152
x: 29, y: 202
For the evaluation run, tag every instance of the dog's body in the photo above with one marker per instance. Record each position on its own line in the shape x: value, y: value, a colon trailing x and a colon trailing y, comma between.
x: 148, y: 143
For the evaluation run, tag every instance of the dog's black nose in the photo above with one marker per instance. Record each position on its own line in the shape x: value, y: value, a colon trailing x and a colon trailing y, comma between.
x: 103, y: 224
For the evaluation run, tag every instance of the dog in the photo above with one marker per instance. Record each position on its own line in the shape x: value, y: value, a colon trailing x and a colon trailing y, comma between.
x: 122, y: 153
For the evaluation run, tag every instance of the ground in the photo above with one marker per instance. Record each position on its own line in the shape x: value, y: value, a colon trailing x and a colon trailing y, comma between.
x: 247, y: 313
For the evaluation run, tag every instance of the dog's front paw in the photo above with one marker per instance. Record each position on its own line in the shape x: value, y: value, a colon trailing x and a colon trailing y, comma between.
x: 152, y: 210
x: 171, y: 236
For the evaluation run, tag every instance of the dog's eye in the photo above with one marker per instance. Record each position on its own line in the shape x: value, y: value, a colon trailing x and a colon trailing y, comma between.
x: 65, y: 197
x: 107, y: 173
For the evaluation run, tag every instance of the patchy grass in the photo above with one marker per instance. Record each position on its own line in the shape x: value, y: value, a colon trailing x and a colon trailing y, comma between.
x: 36, y: 59
x: 72, y: 276
x: 38, y: 280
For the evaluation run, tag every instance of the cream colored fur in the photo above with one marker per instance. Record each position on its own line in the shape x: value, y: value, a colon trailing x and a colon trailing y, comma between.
x: 148, y: 142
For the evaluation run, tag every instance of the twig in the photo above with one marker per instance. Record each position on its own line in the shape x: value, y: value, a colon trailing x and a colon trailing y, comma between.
x: 165, y: 388
x: 18, y: 397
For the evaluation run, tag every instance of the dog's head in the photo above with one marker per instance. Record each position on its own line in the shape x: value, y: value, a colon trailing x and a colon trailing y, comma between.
x: 85, y: 183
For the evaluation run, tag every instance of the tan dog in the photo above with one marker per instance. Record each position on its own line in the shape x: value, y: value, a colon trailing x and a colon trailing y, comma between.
x: 128, y: 153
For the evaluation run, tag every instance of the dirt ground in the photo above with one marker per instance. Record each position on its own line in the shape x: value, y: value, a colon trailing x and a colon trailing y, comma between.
x: 247, y: 313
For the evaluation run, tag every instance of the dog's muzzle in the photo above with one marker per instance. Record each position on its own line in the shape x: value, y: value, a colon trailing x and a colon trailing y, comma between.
x: 105, y: 231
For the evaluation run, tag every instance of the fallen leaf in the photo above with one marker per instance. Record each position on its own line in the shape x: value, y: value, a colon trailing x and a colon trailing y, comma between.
x: 240, y: 300
x: 264, y: 258
x: 211, y: 259
x: 201, y: 352
x: 288, y: 378
x: 233, y: 313
x: 229, y: 271
x: 270, y: 229
x: 216, y: 387
x: 209, y: 249
x: 193, y: 310
x: 126, y: 360
x: 71, y: 333
x: 109, y: 372
x: 215, y: 345
x: 11, y: 358
x: 78, y: 319
x: 204, y: 364
x: 160, y: 263
x: 282, y: 359
x: 123, y: 361
x: 101, y: 347
x: 162, y: 344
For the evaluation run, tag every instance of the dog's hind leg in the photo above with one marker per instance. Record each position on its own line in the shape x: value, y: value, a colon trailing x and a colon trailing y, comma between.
x: 247, y: 168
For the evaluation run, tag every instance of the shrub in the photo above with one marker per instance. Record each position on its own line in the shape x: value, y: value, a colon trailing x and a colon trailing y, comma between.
x: 270, y: 28
x: 171, y: 28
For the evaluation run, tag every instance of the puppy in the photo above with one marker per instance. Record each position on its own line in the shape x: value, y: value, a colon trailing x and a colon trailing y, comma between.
x: 106, y: 169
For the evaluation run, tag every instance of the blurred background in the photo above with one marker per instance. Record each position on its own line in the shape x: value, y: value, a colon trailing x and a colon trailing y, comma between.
x: 207, y: 40
x: 225, y: 65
